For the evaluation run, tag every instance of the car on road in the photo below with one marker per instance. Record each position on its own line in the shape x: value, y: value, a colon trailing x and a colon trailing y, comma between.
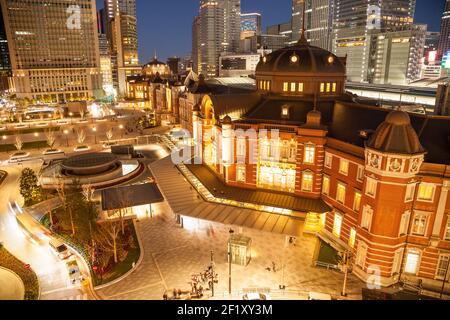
x: 74, y: 271
x: 81, y: 148
x: 319, y: 296
x: 19, y: 157
x: 53, y: 154
x: 60, y: 249
x: 108, y: 145
x: 255, y: 296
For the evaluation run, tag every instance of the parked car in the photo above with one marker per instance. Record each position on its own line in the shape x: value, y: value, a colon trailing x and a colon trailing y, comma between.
x: 53, y: 154
x: 108, y: 145
x: 74, y: 271
x: 60, y: 249
x: 81, y: 148
x: 19, y: 157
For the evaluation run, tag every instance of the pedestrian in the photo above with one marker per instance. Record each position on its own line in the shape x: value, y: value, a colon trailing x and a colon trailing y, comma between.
x: 274, y: 267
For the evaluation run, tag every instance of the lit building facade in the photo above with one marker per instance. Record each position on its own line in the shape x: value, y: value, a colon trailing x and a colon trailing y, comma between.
x: 5, y: 63
x: 63, y: 65
x: 238, y: 65
x: 444, y: 40
x: 251, y: 25
x: 374, y: 182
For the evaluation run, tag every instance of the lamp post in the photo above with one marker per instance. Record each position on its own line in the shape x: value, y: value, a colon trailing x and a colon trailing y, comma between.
x: 212, y: 272
x: 121, y: 130
x: 95, y: 134
x: 229, y: 261
x: 66, y: 133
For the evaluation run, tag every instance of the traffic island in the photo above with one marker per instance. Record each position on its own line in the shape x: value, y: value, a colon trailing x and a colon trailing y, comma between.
x: 27, y: 276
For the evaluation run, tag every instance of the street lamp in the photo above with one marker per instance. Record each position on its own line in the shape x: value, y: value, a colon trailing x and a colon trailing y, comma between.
x: 121, y: 130
x: 66, y: 133
x: 229, y: 261
x: 95, y: 134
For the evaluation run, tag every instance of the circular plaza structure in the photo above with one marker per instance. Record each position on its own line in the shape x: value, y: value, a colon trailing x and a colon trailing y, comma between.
x: 11, y: 286
x: 98, y: 169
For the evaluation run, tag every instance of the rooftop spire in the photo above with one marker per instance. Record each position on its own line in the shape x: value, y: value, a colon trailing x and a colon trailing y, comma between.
x: 303, y: 39
x: 155, y: 57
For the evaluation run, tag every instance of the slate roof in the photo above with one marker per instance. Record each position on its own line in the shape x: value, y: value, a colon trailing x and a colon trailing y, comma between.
x: 130, y: 196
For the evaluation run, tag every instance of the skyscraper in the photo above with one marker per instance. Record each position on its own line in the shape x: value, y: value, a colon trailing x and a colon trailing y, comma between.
x: 355, y: 20
x: 250, y: 25
x: 444, y: 40
x: 5, y: 63
x: 54, y: 48
x: 196, y: 45
x: 318, y: 22
x: 219, y: 32
x: 122, y: 35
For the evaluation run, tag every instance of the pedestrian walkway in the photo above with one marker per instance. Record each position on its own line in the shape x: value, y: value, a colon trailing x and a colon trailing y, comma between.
x: 11, y: 286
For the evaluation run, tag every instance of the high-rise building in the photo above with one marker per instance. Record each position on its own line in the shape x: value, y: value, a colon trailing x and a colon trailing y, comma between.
x: 174, y: 65
x: 53, y: 48
x: 250, y: 25
x: 444, y: 41
x: 355, y: 20
x: 123, y: 40
x: 219, y: 32
x: 196, y: 45
x: 319, y: 16
x: 5, y: 63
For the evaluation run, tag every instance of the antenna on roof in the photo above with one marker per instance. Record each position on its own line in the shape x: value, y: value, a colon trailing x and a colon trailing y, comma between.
x: 155, y: 56
x: 303, y: 39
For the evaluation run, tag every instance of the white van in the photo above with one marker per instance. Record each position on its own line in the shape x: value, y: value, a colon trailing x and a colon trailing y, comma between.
x: 60, y: 249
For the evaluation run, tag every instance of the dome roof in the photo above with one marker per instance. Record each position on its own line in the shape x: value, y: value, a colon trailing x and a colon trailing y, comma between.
x: 302, y: 58
x: 155, y: 62
x: 396, y: 135
x: 226, y: 120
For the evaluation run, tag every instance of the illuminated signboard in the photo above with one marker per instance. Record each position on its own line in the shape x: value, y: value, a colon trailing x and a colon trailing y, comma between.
x: 446, y: 61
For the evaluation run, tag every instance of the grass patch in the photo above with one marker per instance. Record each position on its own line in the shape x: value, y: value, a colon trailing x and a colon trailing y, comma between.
x: 29, y: 278
x: 29, y: 130
x: 26, y: 145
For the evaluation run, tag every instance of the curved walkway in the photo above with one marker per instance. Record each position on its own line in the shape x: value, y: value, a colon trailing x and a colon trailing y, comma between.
x: 11, y: 286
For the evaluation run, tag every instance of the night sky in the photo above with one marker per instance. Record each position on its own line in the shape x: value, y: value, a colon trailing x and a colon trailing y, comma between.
x: 165, y: 26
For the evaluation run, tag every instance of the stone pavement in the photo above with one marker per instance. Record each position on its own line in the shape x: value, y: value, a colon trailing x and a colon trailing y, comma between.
x: 172, y: 254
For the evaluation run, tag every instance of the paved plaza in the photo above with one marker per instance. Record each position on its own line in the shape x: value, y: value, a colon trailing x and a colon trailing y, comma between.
x: 172, y: 254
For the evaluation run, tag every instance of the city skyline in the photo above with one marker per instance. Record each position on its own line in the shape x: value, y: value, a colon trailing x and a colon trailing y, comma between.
x: 152, y: 36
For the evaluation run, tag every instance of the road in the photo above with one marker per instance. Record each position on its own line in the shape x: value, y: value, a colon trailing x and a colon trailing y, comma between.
x: 51, y: 271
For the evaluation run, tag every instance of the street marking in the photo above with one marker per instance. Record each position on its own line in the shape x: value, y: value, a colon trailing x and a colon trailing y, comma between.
x: 78, y: 297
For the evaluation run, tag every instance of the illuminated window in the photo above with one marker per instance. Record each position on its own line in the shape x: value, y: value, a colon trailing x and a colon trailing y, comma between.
x: 264, y: 85
x: 322, y: 87
x: 328, y: 87
x: 343, y: 167
x: 357, y: 201
x: 310, y: 154
x: 307, y: 181
x: 340, y: 193
x: 404, y: 223
x: 442, y: 266
x: 361, y: 254
x: 285, y: 111
x: 334, y: 87
x: 241, y: 147
x: 337, y: 225
x: 397, y: 261
x: 241, y: 174
x: 447, y: 230
x: 412, y: 261
x: 326, y: 185
x: 328, y: 160
x: 352, y: 238
x: 410, y: 188
x: 261, y: 84
x: 285, y: 87
x: 360, y: 174
x: 269, y: 83
x: 371, y: 187
x: 366, y: 219
x: 419, y: 224
x: 426, y: 192
x: 300, y: 87
x: 293, y: 86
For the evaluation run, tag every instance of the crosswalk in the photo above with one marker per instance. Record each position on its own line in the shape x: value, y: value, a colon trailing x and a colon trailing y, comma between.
x: 78, y: 297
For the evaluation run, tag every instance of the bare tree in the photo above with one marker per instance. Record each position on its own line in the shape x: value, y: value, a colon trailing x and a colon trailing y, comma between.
x: 62, y: 193
x: 88, y: 193
x: 51, y: 138
x: 19, y: 143
x: 81, y: 136
x: 108, y: 236
x: 109, y: 134
x: 82, y: 113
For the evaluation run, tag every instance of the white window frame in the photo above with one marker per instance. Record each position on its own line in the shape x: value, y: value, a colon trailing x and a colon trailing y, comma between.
x: 410, y: 189
x: 309, y: 173
x: 446, y: 257
x: 360, y: 174
x: 404, y: 223
x: 425, y: 227
x: 447, y: 229
x: 419, y: 256
x: 367, y: 217
x: 432, y: 185
x: 357, y: 192
x: 341, y: 162
x: 397, y: 261
x: 338, y: 221
x: 309, y: 153
x: 238, y: 169
x: 328, y: 160
x: 369, y: 182
x: 352, y: 238
x: 337, y: 192
x: 327, y: 191
x: 241, y: 147
x: 360, y: 259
